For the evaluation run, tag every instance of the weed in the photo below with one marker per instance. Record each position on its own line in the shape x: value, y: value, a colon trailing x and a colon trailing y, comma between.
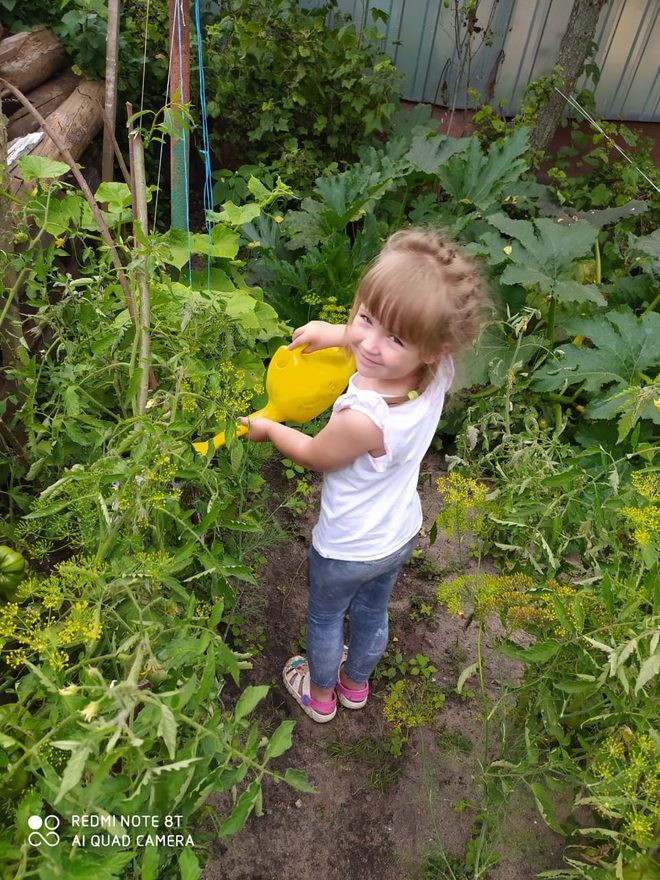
x: 391, y: 665
x: 462, y: 806
x: 452, y: 741
x: 375, y: 754
x: 420, y: 665
x: 411, y: 703
x: 423, y: 566
x: 299, y: 644
x: 439, y: 866
x: 421, y: 609
x: 455, y: 657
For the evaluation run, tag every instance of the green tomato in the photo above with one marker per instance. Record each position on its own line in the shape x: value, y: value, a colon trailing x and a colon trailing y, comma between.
x: 13, y: 570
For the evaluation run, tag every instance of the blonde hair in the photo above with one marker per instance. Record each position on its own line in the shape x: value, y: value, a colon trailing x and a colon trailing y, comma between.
x: 425, y: 291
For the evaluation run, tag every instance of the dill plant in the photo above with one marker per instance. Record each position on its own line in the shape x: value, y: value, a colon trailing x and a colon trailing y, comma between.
x: 464, y: 513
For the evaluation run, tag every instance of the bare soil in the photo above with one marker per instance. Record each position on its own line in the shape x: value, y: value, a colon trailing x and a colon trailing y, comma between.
x: 376, y: 817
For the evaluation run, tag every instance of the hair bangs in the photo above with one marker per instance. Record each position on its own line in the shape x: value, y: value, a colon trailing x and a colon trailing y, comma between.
x: 401, y: 296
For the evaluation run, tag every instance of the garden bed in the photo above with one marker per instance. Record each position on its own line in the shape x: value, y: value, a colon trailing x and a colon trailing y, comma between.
x: 376, y: 815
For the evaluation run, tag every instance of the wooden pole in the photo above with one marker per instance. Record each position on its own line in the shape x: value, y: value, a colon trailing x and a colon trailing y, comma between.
x: 141, y: 230
x: 110, y: 116
x: 179, y: 11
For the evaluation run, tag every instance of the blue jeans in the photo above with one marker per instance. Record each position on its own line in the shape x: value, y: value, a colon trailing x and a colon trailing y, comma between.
x: 361, y: 589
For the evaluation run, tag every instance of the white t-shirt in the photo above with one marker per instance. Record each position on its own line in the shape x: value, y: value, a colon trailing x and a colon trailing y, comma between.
x: 370, y: 508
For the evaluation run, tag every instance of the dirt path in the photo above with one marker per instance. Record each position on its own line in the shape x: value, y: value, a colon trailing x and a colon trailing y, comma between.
x: 377, y: 817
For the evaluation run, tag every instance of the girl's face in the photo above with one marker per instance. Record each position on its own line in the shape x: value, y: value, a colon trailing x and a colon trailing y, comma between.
x: 384, y: 359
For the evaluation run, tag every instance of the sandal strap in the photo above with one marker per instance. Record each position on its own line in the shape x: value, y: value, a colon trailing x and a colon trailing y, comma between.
x: 297, y: 674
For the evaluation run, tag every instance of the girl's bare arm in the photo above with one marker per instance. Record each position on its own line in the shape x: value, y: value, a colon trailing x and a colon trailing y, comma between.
x: 347, y: 435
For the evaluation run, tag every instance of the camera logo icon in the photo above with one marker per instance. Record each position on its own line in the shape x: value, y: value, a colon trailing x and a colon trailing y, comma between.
x: 49, y: 836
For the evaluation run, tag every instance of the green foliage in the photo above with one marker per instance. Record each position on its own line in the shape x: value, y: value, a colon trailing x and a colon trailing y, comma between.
x: 81, y: 25
x: 129, y: 716
x: 477, y: 180
x: 120, y: 694
x: 543, y: 253
x: 604, y: 176
x: 587, y: 700
x: 294, y: 88
x: 624, y: 352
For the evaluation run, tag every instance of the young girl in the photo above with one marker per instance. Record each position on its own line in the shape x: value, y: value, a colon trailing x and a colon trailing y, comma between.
x: 419, y: 302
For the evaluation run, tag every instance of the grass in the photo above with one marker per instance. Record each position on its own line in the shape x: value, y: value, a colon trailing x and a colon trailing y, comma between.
x: 371, y: 753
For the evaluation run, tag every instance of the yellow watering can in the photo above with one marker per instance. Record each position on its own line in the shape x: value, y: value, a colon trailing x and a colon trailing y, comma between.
x: 299, y: 387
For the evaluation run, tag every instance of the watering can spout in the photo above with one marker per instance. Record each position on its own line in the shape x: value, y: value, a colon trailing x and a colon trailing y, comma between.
x: 299, y: 387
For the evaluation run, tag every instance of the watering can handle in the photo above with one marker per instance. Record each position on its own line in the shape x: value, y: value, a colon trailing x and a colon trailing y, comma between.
x: 220, y: 439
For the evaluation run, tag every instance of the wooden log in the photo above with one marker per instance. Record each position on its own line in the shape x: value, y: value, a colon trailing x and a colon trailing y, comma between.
x: 30, y: 58
x: 76, y: 121
x: 46, y: 98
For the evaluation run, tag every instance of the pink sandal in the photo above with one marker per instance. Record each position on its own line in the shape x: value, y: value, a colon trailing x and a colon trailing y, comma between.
x: 351, y: 698
x: 297, y: 681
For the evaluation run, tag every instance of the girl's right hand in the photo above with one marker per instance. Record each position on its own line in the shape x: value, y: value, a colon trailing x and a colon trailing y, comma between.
x: 316, y: 335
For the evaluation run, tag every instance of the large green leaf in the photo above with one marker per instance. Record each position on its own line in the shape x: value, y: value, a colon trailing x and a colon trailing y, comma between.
x: 493, y: 356
x: 430, y: 151
x: 624, y: 351
x: 58, y: 215
x: 649, y: 246
x: 113, y: 193
x: 180, y: 245
x: 478, y: 179
x: 338, y: 200
x: 37, y: 167
x: 543, y: 253
x: 237, y: 215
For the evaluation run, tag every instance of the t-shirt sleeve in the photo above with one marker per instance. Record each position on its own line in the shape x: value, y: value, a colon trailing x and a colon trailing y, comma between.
x: 372, y: 405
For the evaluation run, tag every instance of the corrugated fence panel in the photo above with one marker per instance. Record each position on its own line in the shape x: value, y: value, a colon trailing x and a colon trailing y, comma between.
x: 525, y: 36
x: 420, y: 38
x: 629, y: 58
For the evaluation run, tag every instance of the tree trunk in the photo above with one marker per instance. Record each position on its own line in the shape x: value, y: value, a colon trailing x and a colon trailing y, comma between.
x: 579, y: 33
x: 77, y: 121
x: 28, y: 59
x: 46, y: 98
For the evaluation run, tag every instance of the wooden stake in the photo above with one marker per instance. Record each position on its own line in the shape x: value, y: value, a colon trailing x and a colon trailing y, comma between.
x: 141, y: 230
x: 179, y: 94
x: 111, y: 55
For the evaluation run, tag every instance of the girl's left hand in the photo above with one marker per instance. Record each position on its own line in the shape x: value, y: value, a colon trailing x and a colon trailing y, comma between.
x: 257, y: 428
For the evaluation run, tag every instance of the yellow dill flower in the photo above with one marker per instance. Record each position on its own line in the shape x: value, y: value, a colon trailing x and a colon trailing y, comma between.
x: 15, y: 658
x: 412, y: 703
x: 646, y: 484
x: 640, y: 828
x: 57, y: 659
x: 334, y: 313
x: 465, y: 506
